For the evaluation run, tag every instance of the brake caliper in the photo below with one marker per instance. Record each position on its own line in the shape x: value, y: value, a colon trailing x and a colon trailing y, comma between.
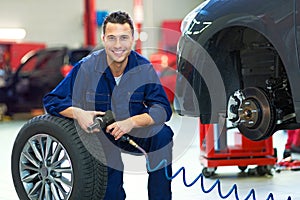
x: 234, y: 104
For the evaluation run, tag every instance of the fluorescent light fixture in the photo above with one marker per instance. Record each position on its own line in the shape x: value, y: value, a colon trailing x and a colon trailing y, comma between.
x: 12, y: 33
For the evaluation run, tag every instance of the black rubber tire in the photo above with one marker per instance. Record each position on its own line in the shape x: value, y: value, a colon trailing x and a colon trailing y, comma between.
x: 89, y: 175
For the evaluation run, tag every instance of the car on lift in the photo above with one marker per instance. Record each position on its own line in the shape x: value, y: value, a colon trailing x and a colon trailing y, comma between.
x: 38, y: 73
x: 239, y: 60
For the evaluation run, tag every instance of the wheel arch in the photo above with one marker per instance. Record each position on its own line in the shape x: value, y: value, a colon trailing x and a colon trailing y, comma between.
x: 229, y: 41
x: 221, y: 32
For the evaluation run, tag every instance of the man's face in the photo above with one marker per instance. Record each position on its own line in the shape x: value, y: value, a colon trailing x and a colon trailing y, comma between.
x: 118, y: 41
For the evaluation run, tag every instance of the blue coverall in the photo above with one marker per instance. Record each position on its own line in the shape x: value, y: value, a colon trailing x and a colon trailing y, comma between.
x: 91, y: 86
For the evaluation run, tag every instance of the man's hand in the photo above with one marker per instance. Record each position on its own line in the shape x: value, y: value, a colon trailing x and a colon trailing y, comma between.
x: 119, y: 128
x: 83, y: 117
x: 86, y: 119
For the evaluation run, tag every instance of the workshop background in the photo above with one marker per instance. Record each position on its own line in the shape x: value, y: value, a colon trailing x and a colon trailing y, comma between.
x: 55, y: 23
x: 62, y: 22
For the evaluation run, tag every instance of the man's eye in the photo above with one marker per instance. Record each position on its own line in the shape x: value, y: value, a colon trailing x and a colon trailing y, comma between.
x: 111, y: 38
x: 124, y: 38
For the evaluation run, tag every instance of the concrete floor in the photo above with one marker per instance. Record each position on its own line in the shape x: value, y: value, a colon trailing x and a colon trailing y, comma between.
x: 186, y: 154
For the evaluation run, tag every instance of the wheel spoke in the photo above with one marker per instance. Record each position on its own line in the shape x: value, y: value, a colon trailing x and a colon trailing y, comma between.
x: 35, y: 189
x: 42, y: 192
x: 25, y: 166
x: 41, y: 144
x: 54, y: 191
x: 48, y: 147
x: 30, y: 178
x: 60, y: 161
x: 48, y: 194
x: 36, y: 150
x: 64, y: 181
x: 56, y: 153
x: 64, y: 170
x: 30, y: 159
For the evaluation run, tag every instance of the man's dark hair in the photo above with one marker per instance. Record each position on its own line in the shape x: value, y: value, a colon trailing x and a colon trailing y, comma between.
x: 118, y: 17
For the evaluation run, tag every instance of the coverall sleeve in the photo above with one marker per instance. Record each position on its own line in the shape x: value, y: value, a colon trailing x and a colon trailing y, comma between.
x: 60, y: 97
x: 156, y: 98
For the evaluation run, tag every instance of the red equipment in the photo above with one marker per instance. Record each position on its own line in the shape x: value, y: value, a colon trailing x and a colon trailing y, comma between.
x: 287, y: 164
x: 12, y: 52
x: 215, y: 151
x: 164, y: 60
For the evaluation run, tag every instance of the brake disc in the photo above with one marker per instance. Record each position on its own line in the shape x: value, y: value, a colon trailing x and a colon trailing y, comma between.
x: 251, y: 111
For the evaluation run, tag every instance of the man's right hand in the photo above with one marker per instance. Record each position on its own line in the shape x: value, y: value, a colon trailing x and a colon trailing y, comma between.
x: 83, y: 117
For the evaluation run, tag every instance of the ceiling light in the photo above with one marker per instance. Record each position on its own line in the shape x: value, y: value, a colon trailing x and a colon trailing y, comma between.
x: 12, y: 33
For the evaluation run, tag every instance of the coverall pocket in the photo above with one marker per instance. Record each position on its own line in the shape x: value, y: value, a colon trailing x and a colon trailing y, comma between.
x: 98, y: 101
x: 137, y: 103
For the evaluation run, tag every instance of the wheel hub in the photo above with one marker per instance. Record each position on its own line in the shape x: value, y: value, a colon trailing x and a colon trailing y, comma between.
x: 251, y: 111
x: 44, y: 171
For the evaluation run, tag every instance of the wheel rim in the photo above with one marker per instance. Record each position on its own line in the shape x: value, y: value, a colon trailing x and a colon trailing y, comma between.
x: 46, y: 169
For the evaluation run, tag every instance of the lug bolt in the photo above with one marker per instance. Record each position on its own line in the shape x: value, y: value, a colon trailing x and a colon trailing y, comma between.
x: 247, y: 103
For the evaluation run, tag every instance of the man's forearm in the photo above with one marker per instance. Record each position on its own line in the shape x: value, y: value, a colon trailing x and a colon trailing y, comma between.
x: 142, y: 120
x: 70, y: 112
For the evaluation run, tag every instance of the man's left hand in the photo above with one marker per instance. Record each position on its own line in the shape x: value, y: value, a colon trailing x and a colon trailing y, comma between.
x: 119, y: 128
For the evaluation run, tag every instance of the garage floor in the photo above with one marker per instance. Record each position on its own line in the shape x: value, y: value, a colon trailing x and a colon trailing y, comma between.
x: 186, y: 154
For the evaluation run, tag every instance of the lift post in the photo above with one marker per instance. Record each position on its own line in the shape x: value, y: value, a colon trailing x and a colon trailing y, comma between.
x: 90, y: 25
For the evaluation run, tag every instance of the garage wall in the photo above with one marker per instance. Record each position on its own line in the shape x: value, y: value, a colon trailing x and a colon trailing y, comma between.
x: 49, y: 21
x: 60, y: 22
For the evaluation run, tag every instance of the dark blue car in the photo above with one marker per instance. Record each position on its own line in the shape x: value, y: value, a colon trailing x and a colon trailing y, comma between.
x: 239, y: 59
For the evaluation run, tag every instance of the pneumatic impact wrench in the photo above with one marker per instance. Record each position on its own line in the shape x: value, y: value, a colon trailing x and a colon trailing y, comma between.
x: 108, y: 118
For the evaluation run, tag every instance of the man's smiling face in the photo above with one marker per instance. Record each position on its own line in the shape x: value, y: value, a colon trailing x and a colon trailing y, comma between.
x: 118, y: 40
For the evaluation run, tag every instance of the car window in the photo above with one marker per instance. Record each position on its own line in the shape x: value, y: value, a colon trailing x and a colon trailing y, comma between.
x: 44, y: 62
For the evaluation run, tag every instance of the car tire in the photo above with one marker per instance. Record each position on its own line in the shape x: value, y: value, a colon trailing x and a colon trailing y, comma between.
x: 51, y: 161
